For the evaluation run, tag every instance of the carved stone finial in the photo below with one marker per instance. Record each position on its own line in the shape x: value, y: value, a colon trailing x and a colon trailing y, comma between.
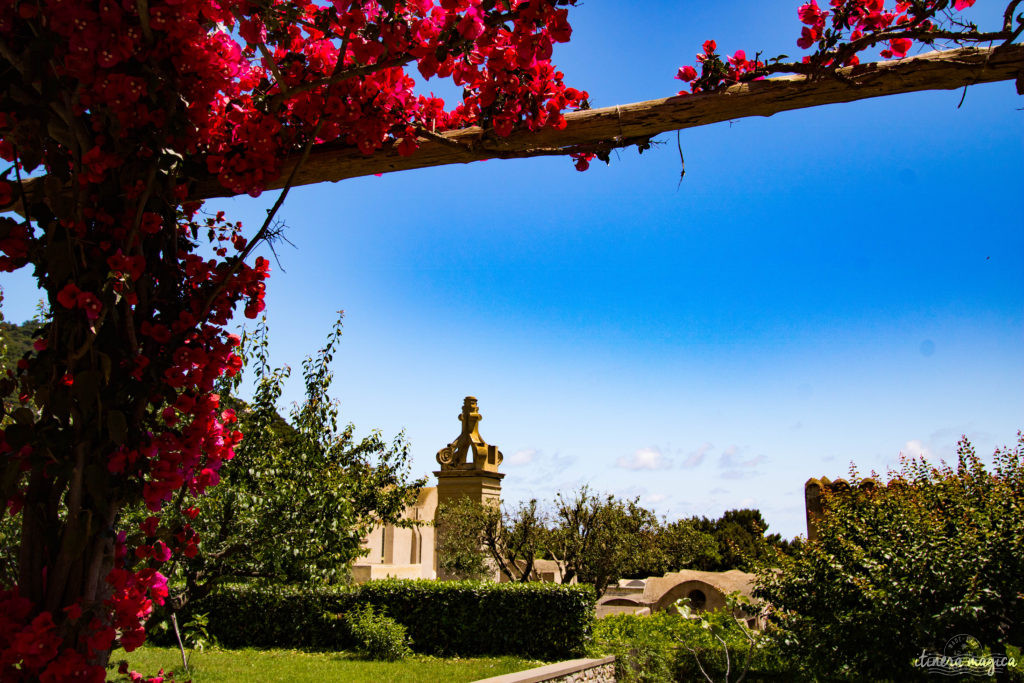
x: 454, y: 455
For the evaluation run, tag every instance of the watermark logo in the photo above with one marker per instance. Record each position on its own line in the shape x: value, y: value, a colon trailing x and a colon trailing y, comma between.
x: 963, y: 655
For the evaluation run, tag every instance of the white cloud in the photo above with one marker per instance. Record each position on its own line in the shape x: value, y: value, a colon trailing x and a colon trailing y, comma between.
x: 915, y: 448
x: 654, y: 498
x: 521, y: 457
x: 730, y: 459
x: 696, y: 456
x: 644, y: 459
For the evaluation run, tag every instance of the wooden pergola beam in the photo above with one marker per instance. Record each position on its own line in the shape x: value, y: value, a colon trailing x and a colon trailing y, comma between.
x: 624, y: 124
x: 945, y: 70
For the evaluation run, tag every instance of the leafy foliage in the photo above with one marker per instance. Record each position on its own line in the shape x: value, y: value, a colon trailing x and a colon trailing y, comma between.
x: 17, y: 340
x: 460, y: 524
x: 298, y: 498
x: 736, y: 540
x: 596, y: 539
x: 900, y: 569
x: 686, y: 543
x: 511, y: 539
x: 684, y: 646
x: 377, y: 636
x: 600, y: 538
x: 464, y: 618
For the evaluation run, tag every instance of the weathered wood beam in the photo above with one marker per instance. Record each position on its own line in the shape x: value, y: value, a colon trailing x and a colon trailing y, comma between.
x: 945, y: 70
x: 626, y: 123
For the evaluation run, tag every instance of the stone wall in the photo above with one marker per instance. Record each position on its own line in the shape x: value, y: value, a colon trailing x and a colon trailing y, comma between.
x: 603, y: 673
x: 573, y: 671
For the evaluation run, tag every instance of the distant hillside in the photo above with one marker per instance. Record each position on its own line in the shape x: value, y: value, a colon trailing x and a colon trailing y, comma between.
x: 17, y: 339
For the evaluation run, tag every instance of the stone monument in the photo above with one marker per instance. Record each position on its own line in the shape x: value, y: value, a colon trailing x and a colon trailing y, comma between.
x: 469, y: 465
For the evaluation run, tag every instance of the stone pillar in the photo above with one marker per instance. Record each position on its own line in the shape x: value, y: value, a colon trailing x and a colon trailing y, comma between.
x: 481, y: 486
x: 813, y: 506
x: 459, y: 476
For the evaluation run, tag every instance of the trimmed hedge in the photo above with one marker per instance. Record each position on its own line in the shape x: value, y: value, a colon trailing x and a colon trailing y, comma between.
x: 464, y: 618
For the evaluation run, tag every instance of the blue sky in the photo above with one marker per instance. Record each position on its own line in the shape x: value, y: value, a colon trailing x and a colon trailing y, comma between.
x: 826, y: 286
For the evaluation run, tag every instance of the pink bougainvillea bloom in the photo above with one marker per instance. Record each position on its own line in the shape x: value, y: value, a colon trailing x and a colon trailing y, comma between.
x: 900, y: 46
x: 161, y: 552
x: 807, y: 38
x: 68, y: 297
x: 686, y: 73
x: 811, y: 14
x: 90, y: 304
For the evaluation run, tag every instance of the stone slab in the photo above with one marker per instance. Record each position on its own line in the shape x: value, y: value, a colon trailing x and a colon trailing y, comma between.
x: 572, y: 670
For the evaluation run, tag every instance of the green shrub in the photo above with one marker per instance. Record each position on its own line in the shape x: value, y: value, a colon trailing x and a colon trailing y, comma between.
x: 465, y: 618
x: 666, y: 647
x: 377, y: 636
x: 900, y: 570
x: 643, y: 645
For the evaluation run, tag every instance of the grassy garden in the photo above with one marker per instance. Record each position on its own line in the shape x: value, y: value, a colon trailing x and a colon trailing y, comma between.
x: 215, y: 665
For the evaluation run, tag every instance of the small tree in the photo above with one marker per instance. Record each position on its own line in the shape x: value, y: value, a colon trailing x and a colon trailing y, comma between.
x: 460, y: 553
x: 471, y: 532
x: 597, y: 539
x: 685, y: 546
x: 899, y: 570
x: 299, y: 496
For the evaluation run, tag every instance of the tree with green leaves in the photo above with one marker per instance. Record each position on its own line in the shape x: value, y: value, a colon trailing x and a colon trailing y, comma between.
x: 474, y: 538
x: 300, y: 495
x: 460, y: 548
x: 741, y: 540
x: 685, y: 546
x: 897, y: 571
x: 598, y: 539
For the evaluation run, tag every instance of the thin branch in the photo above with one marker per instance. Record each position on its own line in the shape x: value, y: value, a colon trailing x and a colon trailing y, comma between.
x: 696, y: 658
x: 963, y: 97
x: 845, y: 51
x: 930, y: 35
x: 278, y: 76
x: 750, y: 647
x: 21, y: 186
x: 725, y: 647
x: 1016, y: 34
x: 142, y: 6
x: 1008, y: 15
x: 262, y: 232
x: 278, y: 98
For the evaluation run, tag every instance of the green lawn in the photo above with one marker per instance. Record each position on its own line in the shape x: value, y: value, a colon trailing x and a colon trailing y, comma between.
x: 212, y: 666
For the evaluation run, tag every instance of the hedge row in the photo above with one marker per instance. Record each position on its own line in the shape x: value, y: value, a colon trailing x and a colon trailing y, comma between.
x: 544, y: 621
